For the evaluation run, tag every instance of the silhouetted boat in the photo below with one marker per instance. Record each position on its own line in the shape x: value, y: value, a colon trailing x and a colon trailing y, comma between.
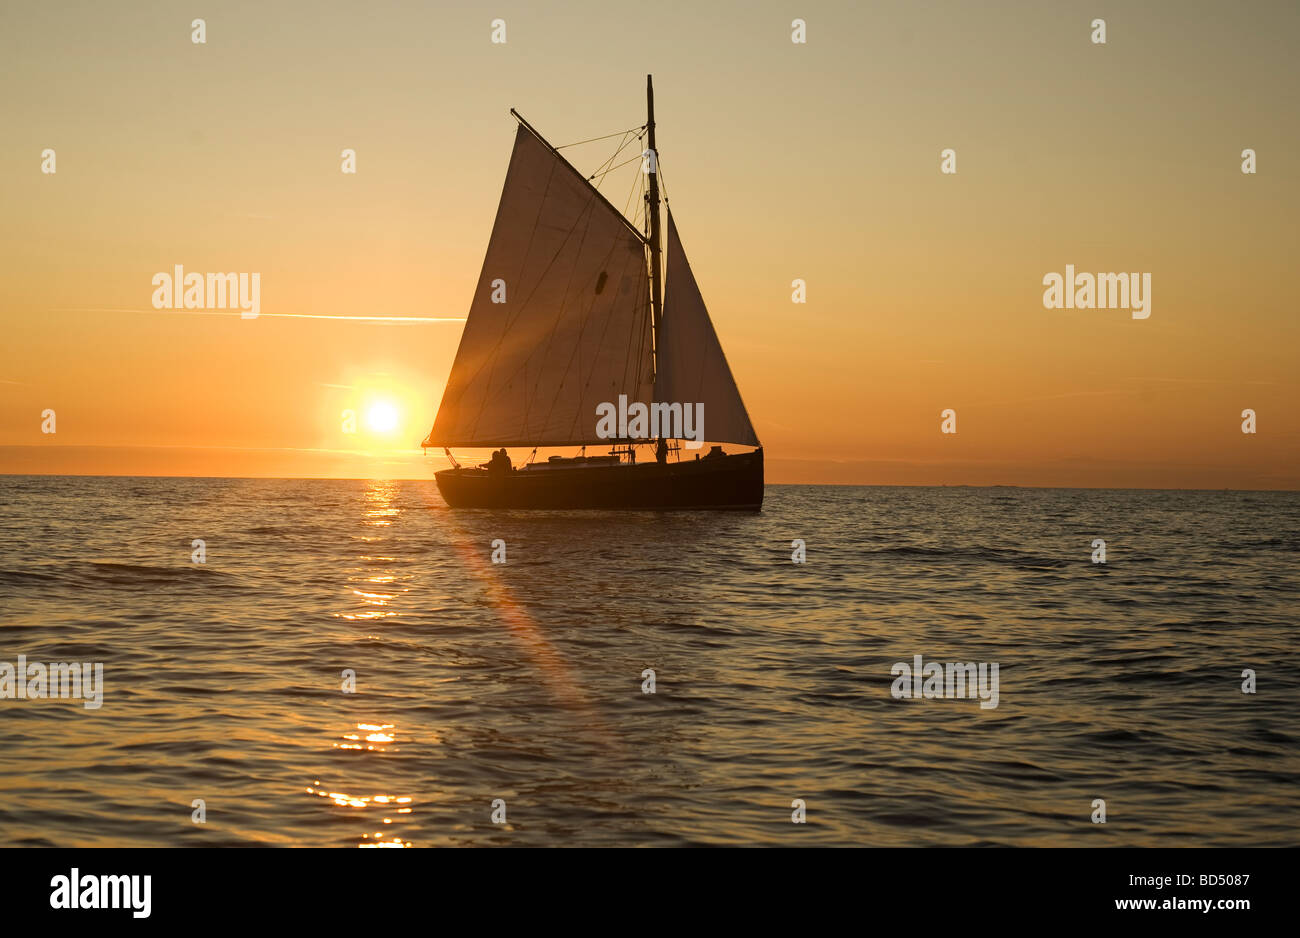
x: 569, y: 316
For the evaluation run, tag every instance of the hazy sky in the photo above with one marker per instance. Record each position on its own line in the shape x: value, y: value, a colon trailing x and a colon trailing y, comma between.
x: 817, y: 161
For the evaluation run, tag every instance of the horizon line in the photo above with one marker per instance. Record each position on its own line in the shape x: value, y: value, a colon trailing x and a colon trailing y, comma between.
x: 429, y: 479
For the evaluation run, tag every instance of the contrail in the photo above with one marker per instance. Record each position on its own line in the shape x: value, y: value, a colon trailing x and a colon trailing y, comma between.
x: 212, y: 312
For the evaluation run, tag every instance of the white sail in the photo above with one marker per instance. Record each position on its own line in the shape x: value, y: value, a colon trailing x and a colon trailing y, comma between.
x: 692, y: 368
x: 574, y: 329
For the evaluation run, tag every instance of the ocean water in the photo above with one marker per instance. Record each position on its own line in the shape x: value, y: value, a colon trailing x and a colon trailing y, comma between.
x: 523, y: 681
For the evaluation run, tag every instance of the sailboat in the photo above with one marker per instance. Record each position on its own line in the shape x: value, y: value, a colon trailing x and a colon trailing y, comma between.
x: 577, y: 317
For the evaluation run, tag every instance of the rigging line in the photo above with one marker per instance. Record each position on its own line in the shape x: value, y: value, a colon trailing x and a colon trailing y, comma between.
x: 647, y: 351
x: 632, y: 190
x: 641, y: 329
x: 643, y: 207
x: 622, y: 145
x: 641, y: 214
x: 663, y: 184
x: 621, y: 165
x: 620, y: 133
x: 609, y: 159
x: 603, y: 172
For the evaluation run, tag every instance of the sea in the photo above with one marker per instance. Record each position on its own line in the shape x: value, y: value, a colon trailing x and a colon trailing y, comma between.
x: 354, y: 664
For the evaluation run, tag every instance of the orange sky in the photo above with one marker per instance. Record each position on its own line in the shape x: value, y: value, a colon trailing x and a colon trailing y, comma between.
x: 782, y: 161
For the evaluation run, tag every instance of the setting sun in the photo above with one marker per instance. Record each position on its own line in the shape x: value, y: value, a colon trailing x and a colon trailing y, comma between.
x: 381, y: 417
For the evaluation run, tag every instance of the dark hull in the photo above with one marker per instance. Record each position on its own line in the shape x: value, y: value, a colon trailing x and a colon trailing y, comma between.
x: 733, y: 481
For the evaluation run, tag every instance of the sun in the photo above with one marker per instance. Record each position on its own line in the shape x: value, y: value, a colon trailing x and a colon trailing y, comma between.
x: 382, y: 417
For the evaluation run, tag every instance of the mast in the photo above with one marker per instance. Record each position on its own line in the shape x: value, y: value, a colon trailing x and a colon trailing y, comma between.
x: 656, y: 292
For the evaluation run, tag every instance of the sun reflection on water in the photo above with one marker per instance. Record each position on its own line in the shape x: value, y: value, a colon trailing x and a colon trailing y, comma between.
x: 379, y: 503
x: 387, y: 805
x: 373, y: 587
x: 375, y: 591
x: 389, y: 808
x: 373, y: 737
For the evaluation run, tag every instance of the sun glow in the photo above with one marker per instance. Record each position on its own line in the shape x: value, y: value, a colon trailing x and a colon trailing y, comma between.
x: 374, y: 419
x: 382, y: 417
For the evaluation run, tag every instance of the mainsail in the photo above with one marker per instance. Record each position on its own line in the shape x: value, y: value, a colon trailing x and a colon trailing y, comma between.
x: 692, y: 368
x: 574, y: 329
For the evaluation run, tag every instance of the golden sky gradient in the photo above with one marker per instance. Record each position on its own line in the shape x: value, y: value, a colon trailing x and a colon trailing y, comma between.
x: 781, y: 161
